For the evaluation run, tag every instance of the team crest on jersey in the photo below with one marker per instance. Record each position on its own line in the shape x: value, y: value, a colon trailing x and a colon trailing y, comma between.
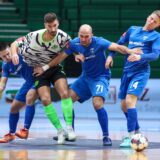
x: 92, y: 51
x: 54, y: 46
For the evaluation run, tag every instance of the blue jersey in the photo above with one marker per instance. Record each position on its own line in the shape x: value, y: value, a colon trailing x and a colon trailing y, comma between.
x: 95, y: 56
x: 21, y: 70
x: 148, y: 41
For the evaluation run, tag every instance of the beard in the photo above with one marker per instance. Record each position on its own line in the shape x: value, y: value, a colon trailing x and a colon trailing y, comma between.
x: 52, y: 33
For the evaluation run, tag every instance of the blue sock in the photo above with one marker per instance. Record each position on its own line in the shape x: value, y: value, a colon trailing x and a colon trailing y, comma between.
x: 126, y: 114
x: 132, y: 119
x: 103, y: 120
x: 29, y: 114
x: 13, y: 120
x: 137, y: 124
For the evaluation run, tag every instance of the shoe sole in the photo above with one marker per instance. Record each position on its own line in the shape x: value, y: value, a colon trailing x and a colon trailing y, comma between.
x: 21, y: 137
x: 125, y: 146
x: 107, y: 144
x: 67, y: 139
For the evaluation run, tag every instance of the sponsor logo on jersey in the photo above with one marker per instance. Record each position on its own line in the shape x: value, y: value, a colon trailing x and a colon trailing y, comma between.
x: 136, y: 43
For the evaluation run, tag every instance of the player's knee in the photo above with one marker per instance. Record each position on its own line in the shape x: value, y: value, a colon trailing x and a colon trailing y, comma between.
x: 14, y: 109
x: 97, y: 105
x: 129, y: 102
x: 29, y: 100
x: 45, y: 100
x: 64, y: 94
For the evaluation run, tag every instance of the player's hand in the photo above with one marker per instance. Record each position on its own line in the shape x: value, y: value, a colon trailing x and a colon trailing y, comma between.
x: 109, y: 62
x: 136, y: 51
x: 38, y: 71
x: 15, y: 59
x: 134, y: 57
x: 79, y: 58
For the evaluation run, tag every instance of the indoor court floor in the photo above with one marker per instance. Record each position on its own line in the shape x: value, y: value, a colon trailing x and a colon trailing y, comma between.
x: 41, y: 146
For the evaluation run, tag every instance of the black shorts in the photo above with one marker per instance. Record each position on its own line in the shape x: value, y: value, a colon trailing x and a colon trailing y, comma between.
x: 49, y: 77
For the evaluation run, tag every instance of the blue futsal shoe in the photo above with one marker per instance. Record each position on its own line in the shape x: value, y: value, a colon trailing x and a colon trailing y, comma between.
x: 126, y: 143
x: 107, y: 141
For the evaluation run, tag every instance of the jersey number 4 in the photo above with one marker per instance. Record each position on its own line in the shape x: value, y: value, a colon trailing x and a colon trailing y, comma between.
x: 135, y: 85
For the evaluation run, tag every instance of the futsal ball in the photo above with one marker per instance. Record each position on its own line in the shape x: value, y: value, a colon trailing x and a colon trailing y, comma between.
x: 139, y: 142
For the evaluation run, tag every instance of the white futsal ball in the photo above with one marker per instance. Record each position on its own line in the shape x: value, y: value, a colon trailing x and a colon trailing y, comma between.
x: 139, y: 142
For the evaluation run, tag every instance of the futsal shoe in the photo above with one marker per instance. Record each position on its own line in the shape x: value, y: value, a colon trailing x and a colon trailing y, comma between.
x: 126, y: 143
x: 107, y: 141
x: 56, y: 139
x: 61, y: 136
x: 71, y: 134
x: 22, y: 133
x: 7, y: 138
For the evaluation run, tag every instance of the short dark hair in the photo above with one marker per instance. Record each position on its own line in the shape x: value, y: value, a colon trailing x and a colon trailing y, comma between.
x: 50, y: 17
x: 3, y: 46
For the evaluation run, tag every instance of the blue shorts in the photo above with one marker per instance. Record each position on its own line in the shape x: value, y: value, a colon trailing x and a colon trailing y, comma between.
x: 133, y: 84
x: 21, y: 94
x: 86, y: 88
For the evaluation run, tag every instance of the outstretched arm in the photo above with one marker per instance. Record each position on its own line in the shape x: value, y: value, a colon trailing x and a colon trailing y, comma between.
x: 148, y: 57
x: 14, y: 52
x: 123, y: 49
x: 57, y: 60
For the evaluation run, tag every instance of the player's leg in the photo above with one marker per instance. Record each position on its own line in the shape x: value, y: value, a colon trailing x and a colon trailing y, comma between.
x: 75, y: 98
x: 44, y: 94
x: 42, y: 84
x: 17, y: 104
x: 13, y: 120
x: 29, y: 114
x: 99, y: 89
x: 125, y: 81
x: 135, y: 88
x: 124, y: 109
x: 130, y: 112
x: 98, y: 103
x: 67, y: 105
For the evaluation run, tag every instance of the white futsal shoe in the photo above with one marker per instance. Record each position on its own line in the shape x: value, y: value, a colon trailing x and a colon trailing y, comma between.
x: 61, y: 136
x: 71, y: 134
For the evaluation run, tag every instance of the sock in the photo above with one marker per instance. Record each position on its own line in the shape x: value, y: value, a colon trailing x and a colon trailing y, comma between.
x: 29, y: 114
x: 137, y: 124
x: 13, y: 120
x: 52, y: 116
x: 73, y: 118
x: 103, y: 120
x: 132, y: 119
x: 67, y: 110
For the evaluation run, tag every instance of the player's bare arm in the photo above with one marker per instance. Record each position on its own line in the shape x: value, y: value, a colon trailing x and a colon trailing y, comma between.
x: 14, y: 52
x: 79, y: 57
x: 123, y: 49
x: 109, y: 62
x: 57, y: 60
